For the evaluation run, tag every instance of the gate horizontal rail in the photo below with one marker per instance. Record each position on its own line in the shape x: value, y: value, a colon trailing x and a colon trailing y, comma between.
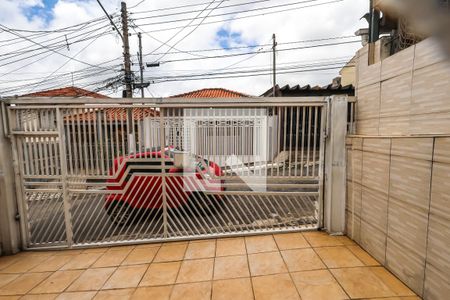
x: 115, y: 171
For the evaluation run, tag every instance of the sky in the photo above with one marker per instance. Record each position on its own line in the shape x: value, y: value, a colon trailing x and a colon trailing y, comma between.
x: 79, y: 55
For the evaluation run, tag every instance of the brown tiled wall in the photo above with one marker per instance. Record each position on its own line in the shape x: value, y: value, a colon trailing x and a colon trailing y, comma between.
x: 405, y: 94
x: 398, y: 207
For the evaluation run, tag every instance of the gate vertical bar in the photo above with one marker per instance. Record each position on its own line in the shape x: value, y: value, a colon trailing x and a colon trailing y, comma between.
x: 323, y: 137
x: 162, y: 137
x: 63, y: 164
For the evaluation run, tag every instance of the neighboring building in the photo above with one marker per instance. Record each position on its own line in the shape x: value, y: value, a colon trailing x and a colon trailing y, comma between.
x: 399, y: 161
x: 335, y: 88
x: 66, y: 92
x: 212, y: 93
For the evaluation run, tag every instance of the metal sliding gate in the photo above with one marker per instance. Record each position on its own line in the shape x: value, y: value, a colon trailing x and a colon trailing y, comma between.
x: 106, y: 171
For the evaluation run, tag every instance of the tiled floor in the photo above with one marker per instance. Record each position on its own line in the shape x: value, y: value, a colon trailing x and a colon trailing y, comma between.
x: 310, y: 265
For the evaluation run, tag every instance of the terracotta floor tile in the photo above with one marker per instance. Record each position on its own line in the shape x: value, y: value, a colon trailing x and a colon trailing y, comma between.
x: 57, y: 282
x: 230, y: 246
x: 274, y: 287
x: 228, y: 267
x: 338, y: 257
x: 71, y: 252
x: 153, y: 293
x: 6, y: 261
x: 196, y: 270
x: 370, y: 282
x: 235, y: 289
x: 121, y: 294
x: 149, y: 245
x: 290, y: 241
x: 203, y: 249
x: 397, y: 298
x: 91, y: 279
x: 140, y: 256
x: 10, y: 297
x: 111, y: 258
x: 81, y: 261
x: 171, y: 252
x: 161, y: 274
x: 346, y: 240
x: 392, y: 282
x: 192, y: 291
x: 53, y: 263
x: 76, y: 296
x: 266, y: 263
x: 126, y: 277
x: 23, y: 284
x: 302, y: 260
x: 40, y: 297
x: 95, y: 250
x: 7, y: 278
x: 363, y: 256
x: 322, y: 239
x: 258, y: 244
x: 24, y: 264
x: 318, y: 285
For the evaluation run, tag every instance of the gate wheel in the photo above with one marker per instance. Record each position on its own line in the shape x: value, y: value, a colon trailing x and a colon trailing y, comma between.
x: 120, y: 213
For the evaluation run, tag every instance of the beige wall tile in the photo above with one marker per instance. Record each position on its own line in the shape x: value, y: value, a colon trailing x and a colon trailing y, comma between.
x: 373, y: 241
x: 368, y: 102
x: 440, y: 190
x: 394, y: 126
x: 354, y: 196
x: 433, y: 123
x: 367, y: 127
x: 376, y: 171
x: 353, y: 227
x: 438, y: 244
x: 430, y: 90
x: 396, y: 96
x: 410, y: 181
x: 442, y: 150
x: 408, y: 226
x: 428, y: 52
x: 381, y: 145
x: 357, y: 143
x: 437, y: 284
x: 367, y: 74
x: 398, y: 64
x: 406, y: 265
x: 419, y: 148
x: 374, y: 208
x: 357, y: 166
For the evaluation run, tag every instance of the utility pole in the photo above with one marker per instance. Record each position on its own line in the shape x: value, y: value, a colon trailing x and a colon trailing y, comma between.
x: 141, y: 64
x: 274, y: 50
x: 126, y: 51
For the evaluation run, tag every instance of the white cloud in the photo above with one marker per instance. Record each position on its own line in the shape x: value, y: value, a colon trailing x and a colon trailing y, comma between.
x: 334, y: 19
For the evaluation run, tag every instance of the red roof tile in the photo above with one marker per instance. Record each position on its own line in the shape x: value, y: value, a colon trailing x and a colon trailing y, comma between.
x: 113, y: 114
x: 66, y: 92
x: 211, y: 93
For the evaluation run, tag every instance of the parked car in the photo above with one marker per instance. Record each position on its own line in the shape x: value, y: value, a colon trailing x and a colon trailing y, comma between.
x: 137, y: 186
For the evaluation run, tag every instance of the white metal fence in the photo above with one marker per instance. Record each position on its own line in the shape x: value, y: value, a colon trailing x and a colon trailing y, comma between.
x: 116, y: 171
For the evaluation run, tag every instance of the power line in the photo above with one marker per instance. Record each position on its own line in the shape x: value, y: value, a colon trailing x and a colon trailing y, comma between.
x: 244, y: 17
x: 194, y: 11
x: 7, y: 29
x: 227, y: 13
x: 192, y: 31
x: 250, y: 53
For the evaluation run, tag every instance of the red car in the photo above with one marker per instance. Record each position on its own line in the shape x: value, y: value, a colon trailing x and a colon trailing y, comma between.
x: 137, y: 186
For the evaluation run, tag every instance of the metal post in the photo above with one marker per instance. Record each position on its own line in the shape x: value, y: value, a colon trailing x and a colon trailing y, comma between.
x: 126, y: 51
x: 274, y: 49
x: 335, y: 169
x: 63, y: 163
x: 141, y: 65
x: 9, y: 229
x: 162, y: 138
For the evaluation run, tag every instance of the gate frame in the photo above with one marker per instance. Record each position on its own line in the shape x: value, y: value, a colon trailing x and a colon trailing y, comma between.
x: 161, y: 103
